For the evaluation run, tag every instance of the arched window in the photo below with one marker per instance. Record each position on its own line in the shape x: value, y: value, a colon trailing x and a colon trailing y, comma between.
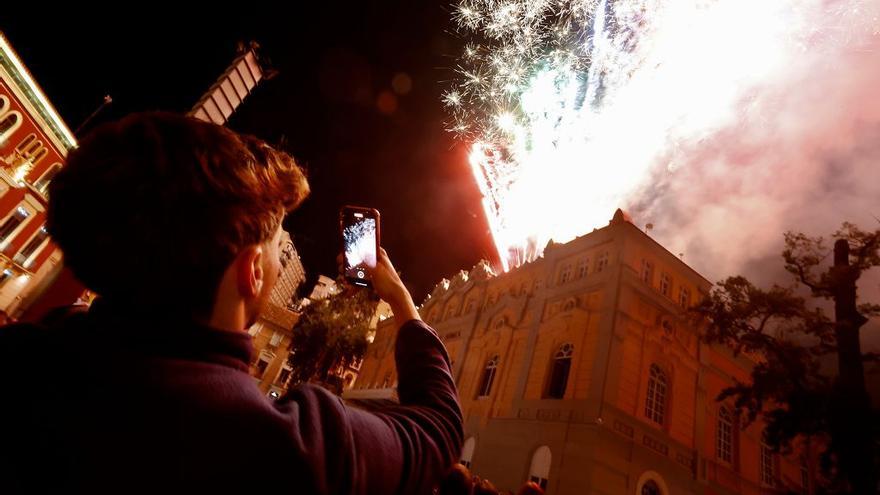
x: 9, y: 122
x: 559, y: 372
x: 4, y: 104
x: 651, y: 483
x: 488, y: 377
x: 42, y: 183
x: 26, y: 143
x: 565, y: 273
x: 651, y: 488
x: 38, y: 156
x: 539, y: 470
x: 583, y: 267
x: 655, y: 402
x: 602, y: 262
x: 724, y: 435
x: 467, y: 452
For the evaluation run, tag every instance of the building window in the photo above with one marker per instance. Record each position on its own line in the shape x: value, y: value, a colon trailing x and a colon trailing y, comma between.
x: 668, y: 330
x: 684, y: 297
x: 488, y: 377
x: 768, y: 474
x: 559, y: 372
x: 38, y: 156
x: 650, y: 488
x: 565, y: 273
x: 602, y: 262
x: 539, y: 470
x: 255, y: 329
x: 646, y: 273
x: 583, y: 267
x: 25, y: 143
x: 32, y: 246
x: 5, y: 275
x: 724, y: 438
x: 262, y: 364
x: 12, y: 223
x: 467, y: 452
x: 9, y: 122
x: 665, y: 284
x: 386, y: 380
x: 655, y: 403
x: 42, y: 183
x: 283, y: 376
x: 276, y: 339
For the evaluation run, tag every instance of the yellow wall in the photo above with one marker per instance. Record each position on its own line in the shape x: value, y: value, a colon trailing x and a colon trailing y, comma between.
x: 599, y: 435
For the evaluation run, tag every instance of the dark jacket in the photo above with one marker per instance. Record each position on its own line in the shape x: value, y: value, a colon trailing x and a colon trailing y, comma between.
x: 103, y: 404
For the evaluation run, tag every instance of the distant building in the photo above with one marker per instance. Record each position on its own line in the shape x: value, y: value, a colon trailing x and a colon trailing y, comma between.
x: 580, y: 371
x: 273, y: 331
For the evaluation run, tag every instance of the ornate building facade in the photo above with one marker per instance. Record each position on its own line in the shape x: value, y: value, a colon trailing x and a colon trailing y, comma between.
x: 273, y: 332
x: 581, y: 371
x: 34, y: 142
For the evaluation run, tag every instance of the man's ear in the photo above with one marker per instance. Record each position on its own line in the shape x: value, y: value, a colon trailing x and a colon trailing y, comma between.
x: 249, y: 271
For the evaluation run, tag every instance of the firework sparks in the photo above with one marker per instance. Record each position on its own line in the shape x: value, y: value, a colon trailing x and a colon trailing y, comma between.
x: 571, y: 106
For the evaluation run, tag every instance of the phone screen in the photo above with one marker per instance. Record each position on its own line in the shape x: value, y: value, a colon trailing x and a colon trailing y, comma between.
x: 360, y: 240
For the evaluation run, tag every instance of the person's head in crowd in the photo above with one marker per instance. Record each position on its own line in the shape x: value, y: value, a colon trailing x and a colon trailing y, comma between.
x: 457, y: 482
x: 530, y: 488
x: 162, y: 205
x: 484, y: 487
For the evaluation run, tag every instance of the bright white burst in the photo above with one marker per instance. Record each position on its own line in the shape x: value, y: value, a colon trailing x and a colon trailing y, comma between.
x: 570, y: 106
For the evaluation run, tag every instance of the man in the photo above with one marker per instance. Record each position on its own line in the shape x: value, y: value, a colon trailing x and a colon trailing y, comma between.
x: 176, y: 224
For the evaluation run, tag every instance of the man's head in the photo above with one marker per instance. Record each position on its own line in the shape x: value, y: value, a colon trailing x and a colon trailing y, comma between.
x: 161, y: 210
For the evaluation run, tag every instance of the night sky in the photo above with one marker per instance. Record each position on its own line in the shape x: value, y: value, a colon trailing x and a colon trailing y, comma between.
x: 332, y: 105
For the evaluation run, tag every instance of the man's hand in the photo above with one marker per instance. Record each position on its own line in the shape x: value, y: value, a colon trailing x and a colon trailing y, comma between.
x: 389, y: 287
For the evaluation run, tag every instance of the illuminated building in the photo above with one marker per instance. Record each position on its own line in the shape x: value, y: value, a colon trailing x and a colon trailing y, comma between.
x: 34, y: 142
x: 580, y: 371
x: 274, y: 329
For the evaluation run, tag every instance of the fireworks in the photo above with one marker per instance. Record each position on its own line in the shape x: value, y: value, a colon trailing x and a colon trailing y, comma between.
x: 572, y: 107
x: 360, y: 243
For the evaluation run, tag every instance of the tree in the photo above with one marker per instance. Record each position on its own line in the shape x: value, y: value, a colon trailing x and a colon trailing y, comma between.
x: 809, y: 381
x: 331, y: 332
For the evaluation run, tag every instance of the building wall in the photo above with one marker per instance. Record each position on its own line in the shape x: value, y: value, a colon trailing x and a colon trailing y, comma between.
x: 273, y: 332
x: 30, y: 151
x: 622, y: 316
x: 273, y: 341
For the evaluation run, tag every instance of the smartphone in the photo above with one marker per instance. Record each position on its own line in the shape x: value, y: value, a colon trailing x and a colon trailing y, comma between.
x: 360, y: 243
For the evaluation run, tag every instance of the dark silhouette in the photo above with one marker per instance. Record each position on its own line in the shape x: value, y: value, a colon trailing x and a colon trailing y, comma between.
x: 176, y: 224
x: 792, y: 389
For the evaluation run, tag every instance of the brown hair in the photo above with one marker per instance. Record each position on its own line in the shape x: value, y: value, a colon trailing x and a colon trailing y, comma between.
x: 151, y: 210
